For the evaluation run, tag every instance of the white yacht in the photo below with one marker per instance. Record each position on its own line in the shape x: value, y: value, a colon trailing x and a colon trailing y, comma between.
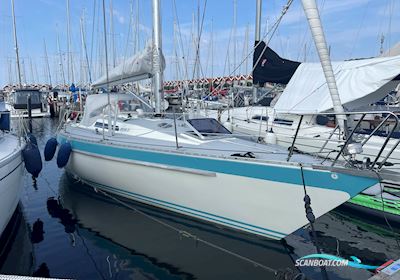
x: 197, y: 168
x: 11, y: 169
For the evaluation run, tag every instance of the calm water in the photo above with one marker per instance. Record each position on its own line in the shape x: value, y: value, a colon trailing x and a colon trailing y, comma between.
x: 64, y: 229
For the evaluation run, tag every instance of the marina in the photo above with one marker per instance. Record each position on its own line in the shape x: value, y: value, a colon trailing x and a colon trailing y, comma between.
x: 148, y: 162
x: 89, y: 235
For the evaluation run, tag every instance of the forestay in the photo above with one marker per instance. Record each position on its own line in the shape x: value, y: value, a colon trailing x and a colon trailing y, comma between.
x: 360, y: 82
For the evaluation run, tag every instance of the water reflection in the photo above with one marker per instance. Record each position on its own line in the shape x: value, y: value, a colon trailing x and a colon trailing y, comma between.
x: 159, y: 251
x: 37, y: 231
x: 16, y: 249
x: 42, y: 271
x: 344, y: 234
x: 65, y: 217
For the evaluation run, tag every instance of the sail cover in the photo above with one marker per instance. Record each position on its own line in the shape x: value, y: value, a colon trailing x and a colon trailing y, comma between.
x: 360, y: 82
x: 271, y: 67
x: 135, y: 68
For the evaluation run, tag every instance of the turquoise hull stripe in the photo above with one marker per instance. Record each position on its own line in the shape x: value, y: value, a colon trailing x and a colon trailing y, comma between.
x: 285, y: 174
x: 200, y: 214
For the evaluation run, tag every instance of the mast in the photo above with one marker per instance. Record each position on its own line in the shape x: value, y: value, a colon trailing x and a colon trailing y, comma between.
x: 36, y: 71
x: 176, y: 53
x: 47, y: 61
x: 92, y: 37
x: 212, y: 53
x: 16, y: 44
x: 257, y: 39
x: 246, y: 50
x: 83, y: 37
x: 61, y: 60
x: 23, y: 75
x: 31, y: 68
x: 137, y: 45
x: 158, y: 76
x: 311, y: 11
x: 107, y: 78
x: 10, y: 79
x: 70, y: 65
x: 198, y: 44
x: 112, y: 32
x: 234, y: 36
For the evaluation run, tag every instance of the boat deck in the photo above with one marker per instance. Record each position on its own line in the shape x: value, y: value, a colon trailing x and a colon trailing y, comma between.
x: 159, y: 134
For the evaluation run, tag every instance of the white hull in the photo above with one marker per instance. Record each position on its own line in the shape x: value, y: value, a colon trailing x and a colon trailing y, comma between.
x: 177, y: 165
x: 11, y: 175
x: 269, y: 208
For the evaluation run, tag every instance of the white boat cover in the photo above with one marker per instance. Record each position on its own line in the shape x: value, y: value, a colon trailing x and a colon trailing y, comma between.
x: 135, y: 68
x: 96, y: 103
x: 360, y: 82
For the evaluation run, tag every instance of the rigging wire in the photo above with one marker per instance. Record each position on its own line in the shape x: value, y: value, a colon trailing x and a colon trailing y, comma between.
x: 127, y: 40
x: 184, y: 59
x: 357, y: 35
x: 197, y: 60
x: 391, y: 9
x: 227, y: 53
x: 92, y: 37
x: 271, y: 32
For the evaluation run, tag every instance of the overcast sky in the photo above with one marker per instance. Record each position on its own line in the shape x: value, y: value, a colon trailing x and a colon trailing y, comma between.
x: 353, y: 29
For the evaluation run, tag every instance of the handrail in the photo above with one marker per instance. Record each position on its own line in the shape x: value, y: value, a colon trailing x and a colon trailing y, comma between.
x: 375, y: 130
x: 388, y: 155
x: 384, y: 145
x: 327, y: 140
x: 350, y: 138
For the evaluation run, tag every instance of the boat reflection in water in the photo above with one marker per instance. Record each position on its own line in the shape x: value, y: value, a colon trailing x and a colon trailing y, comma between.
x: 156, y: 250
x: 16, y: 249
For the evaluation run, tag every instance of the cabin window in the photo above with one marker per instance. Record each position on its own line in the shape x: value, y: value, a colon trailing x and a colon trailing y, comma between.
x: 208, y: 126
x: 100, y: 125
x: 283, y: 122
x: 21, y: 99
x: 259, y: 117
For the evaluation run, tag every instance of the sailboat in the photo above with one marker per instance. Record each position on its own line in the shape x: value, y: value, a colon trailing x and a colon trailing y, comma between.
x: 196, y: 167
x: 11, y: 169
x: 11, y: 166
